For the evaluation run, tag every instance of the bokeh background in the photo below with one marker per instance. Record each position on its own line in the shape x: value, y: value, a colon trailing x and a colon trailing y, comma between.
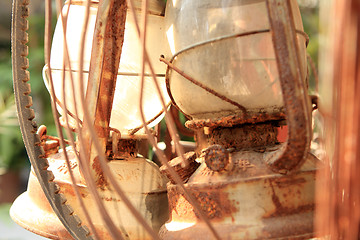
x: 14, y: 164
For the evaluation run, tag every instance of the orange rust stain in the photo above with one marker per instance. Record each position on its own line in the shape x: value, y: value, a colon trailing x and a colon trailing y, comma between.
x: 281, y: 210
x: 214, y: 203
x: 100, y: 181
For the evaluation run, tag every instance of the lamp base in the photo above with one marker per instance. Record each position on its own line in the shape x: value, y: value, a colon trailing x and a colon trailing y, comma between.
x: 39, y: 220
x: 139, y: 178
x: 246, y: 201
x: 281, y: 228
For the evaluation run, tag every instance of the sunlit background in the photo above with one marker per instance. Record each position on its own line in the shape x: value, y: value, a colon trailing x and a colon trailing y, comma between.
x: 14, y: 164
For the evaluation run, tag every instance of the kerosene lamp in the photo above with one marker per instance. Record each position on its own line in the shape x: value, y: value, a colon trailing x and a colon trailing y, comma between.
x: 238, y: 71
x: 139, y: 178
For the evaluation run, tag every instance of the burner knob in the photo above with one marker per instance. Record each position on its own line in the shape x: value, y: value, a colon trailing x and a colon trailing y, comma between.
x: 216, y: 157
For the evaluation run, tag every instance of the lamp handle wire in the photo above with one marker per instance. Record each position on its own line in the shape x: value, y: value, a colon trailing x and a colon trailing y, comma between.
x: 292, y: 154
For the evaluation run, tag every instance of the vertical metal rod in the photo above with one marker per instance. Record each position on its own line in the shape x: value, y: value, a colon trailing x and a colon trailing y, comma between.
x: 95, y: 145
x: 105, y: 59
x: 296, y: 100
x: 83, y: 156
x: 107, y: 41
x: 84, y: 167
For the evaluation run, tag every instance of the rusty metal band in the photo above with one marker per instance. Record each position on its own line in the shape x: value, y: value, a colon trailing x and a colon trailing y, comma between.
x: 237, y: 119
x: 111, y: 25
x: 28, y: 127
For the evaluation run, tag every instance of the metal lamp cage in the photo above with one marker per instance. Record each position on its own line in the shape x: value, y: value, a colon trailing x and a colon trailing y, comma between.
x: 91, y: 146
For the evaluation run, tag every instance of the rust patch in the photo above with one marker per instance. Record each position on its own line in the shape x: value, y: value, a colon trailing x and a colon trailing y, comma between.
x: 214, y: 203
x: 102, y: 78
x: 288, y: 182
x: 237, y: 119
x: 122, y: 148
x: 50, y: 147
x: 281, y: 210
x: 176, y: 163
x: 216, y: 157
x: 50, y: 144
x: 68, y: 190
x: 64, y: 169
x: 114, y: 38
x: 244, y: 136
x: 100, y: 181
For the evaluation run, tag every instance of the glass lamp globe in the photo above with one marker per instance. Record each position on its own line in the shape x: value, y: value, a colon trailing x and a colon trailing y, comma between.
x: 125, y: 115
x: 226, y: 46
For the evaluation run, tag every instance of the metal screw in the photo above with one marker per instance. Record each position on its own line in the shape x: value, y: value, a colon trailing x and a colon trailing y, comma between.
x: 216, y: 157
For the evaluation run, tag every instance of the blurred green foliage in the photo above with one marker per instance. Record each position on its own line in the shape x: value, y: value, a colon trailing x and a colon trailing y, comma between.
x: 11, y: 146
x: 310, y: 17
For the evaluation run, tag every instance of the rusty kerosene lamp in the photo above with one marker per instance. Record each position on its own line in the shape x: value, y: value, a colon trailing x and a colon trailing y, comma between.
x: 139, y: 178
x: 239, y: 71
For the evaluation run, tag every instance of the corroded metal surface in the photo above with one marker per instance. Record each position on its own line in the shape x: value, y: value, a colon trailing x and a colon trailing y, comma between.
x: 244, y: 136
x: 238, y: 190
x: 296, y: 99
x: 106, y: 52
x: 149, y: 197
x: 50, y: 146
x: 112, y: 45
x: 237, y: 119
x: 248, y: 201
x: 216, y: 157
x: 184, y: 172
x: 122, y: 148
